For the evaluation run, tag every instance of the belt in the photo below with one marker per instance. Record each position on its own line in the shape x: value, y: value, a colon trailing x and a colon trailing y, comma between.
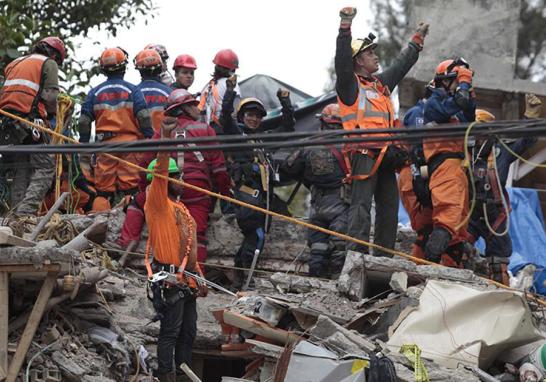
x: 250, y: 191
x: 171, y: 268
x: 99, y: 137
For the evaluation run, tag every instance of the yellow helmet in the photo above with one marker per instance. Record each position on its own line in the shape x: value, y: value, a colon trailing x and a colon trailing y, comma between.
x: 361, y: 44
x: 484, y: 116
x: 250, y: 104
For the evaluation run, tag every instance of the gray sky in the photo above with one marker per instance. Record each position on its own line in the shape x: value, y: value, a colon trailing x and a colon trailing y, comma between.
x: 293, y: 41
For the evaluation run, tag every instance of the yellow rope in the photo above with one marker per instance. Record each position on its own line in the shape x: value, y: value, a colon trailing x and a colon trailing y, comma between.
x: 64, y: 103
x: 271, y: 213
x: 540, y: 165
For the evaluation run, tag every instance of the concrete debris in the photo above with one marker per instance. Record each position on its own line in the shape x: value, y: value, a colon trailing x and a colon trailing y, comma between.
x: 96, y: 323
x: 399, y: 282
x: 352, y: 281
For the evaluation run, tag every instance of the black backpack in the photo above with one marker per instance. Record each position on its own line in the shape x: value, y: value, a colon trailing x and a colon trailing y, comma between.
x: 381, y: 370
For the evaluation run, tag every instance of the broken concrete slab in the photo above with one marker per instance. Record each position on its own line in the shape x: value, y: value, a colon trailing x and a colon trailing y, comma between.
x: 328, y: 332
x: 287, y: 283
x: 352, y: 281
x: 399, y: 282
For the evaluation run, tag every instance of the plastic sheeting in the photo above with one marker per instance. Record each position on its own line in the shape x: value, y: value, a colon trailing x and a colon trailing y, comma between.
x: 456, y: 324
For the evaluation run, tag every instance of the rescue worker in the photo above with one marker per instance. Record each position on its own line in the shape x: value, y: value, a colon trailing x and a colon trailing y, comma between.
x: 120, y: 114
x: 322, y: 170
x: 184, y: 71
x: 443, y: 187
x: 165, y: 76
x: 172, y: 240
x: 226, y: 63
x: 490, y: 215
x: 30, y: 91
x: 252, y: 171
x: 148, y: 63
x: 199, y: 168
x: 364, y: 102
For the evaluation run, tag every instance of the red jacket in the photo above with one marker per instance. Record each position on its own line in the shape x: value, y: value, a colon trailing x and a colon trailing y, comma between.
x: 201, y: 168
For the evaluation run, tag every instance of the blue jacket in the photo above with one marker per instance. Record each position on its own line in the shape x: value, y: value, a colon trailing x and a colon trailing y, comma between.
x: 155, y: 94
x: 114, y: 105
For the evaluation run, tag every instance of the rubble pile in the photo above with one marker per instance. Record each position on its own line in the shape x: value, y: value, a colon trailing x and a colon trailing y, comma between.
x: 97, y: 323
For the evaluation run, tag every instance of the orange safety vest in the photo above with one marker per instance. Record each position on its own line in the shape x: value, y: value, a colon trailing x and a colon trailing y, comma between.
x: 372, y: 109
x: 23, y: 85
x: 210, y: 103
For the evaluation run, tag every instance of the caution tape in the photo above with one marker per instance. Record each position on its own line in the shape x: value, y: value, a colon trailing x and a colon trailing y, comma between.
x: 413, y: 354
x: 265, y: 211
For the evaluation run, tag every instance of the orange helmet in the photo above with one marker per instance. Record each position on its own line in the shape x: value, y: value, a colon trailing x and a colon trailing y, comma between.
x: 445, y: 69
x: 484, y: 116
x: 330, y: 114
x: 113, y: 59
x: 147, y: 59
x: 57, y: 45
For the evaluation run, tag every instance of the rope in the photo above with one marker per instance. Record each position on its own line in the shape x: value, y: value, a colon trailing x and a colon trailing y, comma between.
x: 540, y: 165
x: 275, y: 214
x: 64, y: 103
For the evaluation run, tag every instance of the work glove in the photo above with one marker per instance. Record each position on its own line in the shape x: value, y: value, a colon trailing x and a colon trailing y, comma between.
x: 420, y: 33
x: 202, y: 290
x: 395, y: 158
x: 533, y: 106
x: 347, y: 15
x: 231, y: 82
x: 464, y: 74
x: 284, y: 98
x: 437, y: 244
x: 167, y: 126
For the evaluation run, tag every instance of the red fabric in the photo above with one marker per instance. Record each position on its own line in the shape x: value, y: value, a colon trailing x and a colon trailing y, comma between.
x: 134, y: 221
x: 200, y: 213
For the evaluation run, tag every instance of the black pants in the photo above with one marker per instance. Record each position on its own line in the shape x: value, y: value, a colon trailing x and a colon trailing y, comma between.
x: 177, y: 332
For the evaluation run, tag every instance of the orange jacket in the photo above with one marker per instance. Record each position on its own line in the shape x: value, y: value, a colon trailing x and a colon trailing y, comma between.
x: 372, y: 110
x: 210, y: 103
x: 23, y: 84
x: 171, y: 228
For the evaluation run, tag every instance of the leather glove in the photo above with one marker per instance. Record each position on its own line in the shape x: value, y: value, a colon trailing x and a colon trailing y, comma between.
x: 533, y: 106
x: 464, y: 74
x: 231, y: 82
x: 420, y: 34
x: 347, y: 15
x: 437, y: 244
x: 203, y: 290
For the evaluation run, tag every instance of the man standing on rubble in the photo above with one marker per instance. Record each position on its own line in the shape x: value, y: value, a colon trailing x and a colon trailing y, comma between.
x: 30, y: 91
x: 322, y: 170
x: 184, y: 71
x: 149, y: 64
x: 120, y: 114
x: 252, y: 171
x: 490, y: 216
x: 364, y: 103
x: 226, y: 63
x: 173, y: 242
x: 442, y: 190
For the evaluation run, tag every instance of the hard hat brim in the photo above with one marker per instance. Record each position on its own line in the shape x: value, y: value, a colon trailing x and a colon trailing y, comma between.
x: 372, y: 45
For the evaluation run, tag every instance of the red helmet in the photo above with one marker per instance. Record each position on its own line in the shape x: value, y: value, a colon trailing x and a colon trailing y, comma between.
x: 184, y: 61
x: 330, y: 114
x: 113, y: 59
x: 147, y: 59
x: 180, y: 97
x: 226, y: 58
x: 159, y: 49
x: 56, y: 44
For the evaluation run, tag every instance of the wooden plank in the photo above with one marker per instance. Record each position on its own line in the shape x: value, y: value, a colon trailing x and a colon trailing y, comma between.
x: 32, y: 325
x: 4, y: 319
x: 7, y: 239
x: 260, y: 328
x: 36, y: 231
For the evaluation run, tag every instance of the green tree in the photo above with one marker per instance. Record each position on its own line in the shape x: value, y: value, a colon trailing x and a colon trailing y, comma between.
x: 23, y: 22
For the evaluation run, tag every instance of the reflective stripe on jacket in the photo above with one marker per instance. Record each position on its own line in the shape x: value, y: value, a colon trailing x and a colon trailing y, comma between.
x: 155, y: 94
x: 22, y: 86
x: 114, y: 105
x: 372, y: 110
